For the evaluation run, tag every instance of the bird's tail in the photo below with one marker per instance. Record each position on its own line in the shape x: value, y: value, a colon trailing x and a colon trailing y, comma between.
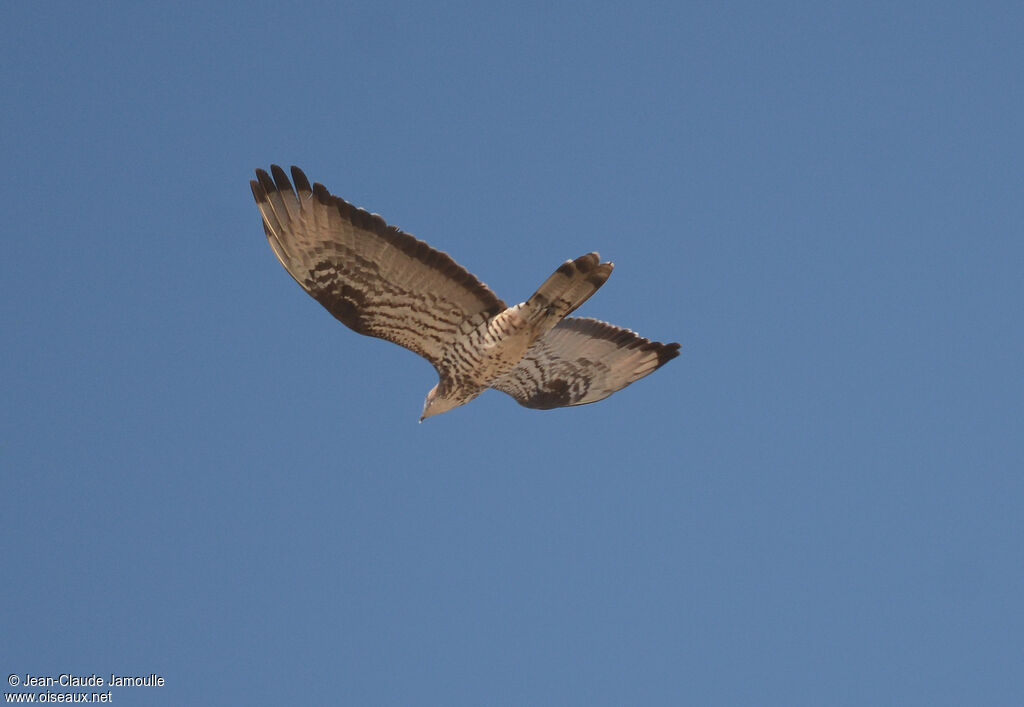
x: 567, y: 288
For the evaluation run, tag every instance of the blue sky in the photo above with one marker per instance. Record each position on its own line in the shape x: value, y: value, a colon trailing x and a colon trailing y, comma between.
x: 206, y: 477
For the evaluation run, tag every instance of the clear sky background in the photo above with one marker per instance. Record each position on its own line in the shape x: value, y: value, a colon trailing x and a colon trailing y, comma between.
x: 206, y: 477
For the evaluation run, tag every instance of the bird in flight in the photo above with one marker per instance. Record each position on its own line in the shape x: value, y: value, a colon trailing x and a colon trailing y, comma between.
x: 381, y: 282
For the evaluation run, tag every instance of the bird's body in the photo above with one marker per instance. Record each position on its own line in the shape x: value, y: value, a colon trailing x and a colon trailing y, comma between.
x: 381, y: 282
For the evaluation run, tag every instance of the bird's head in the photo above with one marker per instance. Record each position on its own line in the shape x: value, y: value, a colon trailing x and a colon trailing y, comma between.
x: 442, y: 399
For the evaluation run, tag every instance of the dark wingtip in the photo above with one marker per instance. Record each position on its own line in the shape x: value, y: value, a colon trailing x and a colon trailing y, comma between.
x: 266, y: 183
x: 667, y: 352
x: 321, y: 193
x: 280, y: 178
x: 299, y: 177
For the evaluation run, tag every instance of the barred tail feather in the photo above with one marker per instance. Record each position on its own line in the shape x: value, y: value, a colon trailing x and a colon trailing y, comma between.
x: 567, y: 288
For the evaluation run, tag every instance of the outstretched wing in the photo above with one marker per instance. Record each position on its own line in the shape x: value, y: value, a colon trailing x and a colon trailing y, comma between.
x: 372, y: 277
x: 582, y: 361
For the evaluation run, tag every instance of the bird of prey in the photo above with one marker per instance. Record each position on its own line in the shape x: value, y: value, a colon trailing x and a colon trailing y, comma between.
x: 382, y: 282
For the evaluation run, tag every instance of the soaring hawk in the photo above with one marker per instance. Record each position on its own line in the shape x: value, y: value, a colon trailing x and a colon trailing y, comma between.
x: 382, y: 282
